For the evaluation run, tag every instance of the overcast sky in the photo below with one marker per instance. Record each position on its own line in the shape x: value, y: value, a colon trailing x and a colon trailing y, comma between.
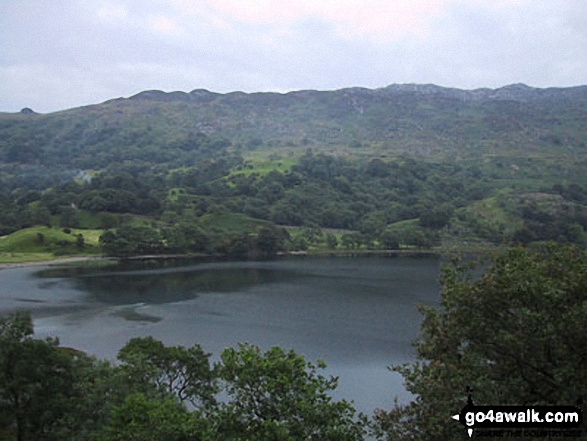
x: 57, y: 54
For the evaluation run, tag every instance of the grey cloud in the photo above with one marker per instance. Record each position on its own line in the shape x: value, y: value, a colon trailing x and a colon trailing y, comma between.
x: 63, y: 54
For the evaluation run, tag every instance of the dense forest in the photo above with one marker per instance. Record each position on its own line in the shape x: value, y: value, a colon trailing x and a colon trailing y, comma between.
x: 402, y: 167
x: 372, y: 204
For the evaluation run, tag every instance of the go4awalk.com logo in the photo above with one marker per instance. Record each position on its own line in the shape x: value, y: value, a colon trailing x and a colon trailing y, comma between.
x: 516, y: 421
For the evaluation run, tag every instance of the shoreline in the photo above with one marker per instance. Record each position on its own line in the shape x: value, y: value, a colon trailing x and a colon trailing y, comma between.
x: 57, y: 261
x: 313, y: 253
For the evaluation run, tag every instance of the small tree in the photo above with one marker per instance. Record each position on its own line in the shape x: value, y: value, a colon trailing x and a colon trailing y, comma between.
x: 390, y: 240
x: 79, y: 241
x: 269, y: 241
x: 331, y: 241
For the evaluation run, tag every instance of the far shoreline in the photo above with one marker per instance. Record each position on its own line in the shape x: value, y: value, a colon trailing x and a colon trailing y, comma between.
x: 56, y: 261
x: 312, y: 253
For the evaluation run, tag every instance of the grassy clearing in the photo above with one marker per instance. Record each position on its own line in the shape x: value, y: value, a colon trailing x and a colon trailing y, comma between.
x: 91, y: 236
x: 266, y: 161
x: 34, y: 240
x: 43, y: 243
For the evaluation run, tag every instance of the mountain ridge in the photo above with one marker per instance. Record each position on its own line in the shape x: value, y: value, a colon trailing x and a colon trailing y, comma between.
x: 515, y: 91
x: 418, y: 118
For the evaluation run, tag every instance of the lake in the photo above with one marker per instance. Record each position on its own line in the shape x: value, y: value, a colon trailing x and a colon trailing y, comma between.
x: 358, y: 314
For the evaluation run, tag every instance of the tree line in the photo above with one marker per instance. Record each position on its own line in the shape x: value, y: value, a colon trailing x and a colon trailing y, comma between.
x: 377, y: 203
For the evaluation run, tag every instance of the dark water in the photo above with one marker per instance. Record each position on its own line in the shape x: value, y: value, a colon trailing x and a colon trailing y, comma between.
x: 357, y: 314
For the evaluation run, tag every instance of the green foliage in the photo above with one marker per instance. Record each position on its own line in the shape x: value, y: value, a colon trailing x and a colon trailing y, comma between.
x: 237, y: 246
x: 53, y: 393
x: 410, y: 233
x: 97, y: 387
x: 80, y: 241
x: 35, y: 380
x: 107, y: 221
x: 159, y: 127
x: 141, y: 419
x: 187, y: 237
x: 436, y: 217
x: 270, y: 241
x: 515, y: 335
x: 174, y: 371
x: 132, y: 240
x: 49, y: 242
x: 232, y: 223
x: 390, y: 240
x: 496, y: 179
x: 278, y: 395
x: 261, y: 163
x: 69, y: 217
x: 352, y: 241
x: 547, y: 217
x: 331, y: 241
x: 40, y: 238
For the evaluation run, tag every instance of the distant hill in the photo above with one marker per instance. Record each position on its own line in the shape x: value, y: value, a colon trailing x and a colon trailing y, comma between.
x: 405, y: 166
x: 155, y: 126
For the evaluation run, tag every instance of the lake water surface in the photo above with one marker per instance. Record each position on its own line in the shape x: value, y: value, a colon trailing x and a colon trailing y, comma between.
x: 357, y: 314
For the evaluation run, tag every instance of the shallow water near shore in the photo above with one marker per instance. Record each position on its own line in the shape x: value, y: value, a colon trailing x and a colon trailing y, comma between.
x: 359, y: 315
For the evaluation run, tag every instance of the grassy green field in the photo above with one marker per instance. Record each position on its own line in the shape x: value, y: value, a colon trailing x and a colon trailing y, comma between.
x: 263, y: 162
x: 43, y: 243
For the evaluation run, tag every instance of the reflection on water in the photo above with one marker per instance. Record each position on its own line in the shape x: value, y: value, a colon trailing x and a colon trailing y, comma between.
x: 167, y: 287
x: 357, y: 314
x: 128, y: 284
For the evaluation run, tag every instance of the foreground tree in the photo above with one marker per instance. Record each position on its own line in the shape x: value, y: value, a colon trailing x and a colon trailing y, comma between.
x: 277, y: 395
x: 35, y: 380
x: 141, y: 419
x: 515, y: 335
x: 177, y: 371
x: 163, y: 393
